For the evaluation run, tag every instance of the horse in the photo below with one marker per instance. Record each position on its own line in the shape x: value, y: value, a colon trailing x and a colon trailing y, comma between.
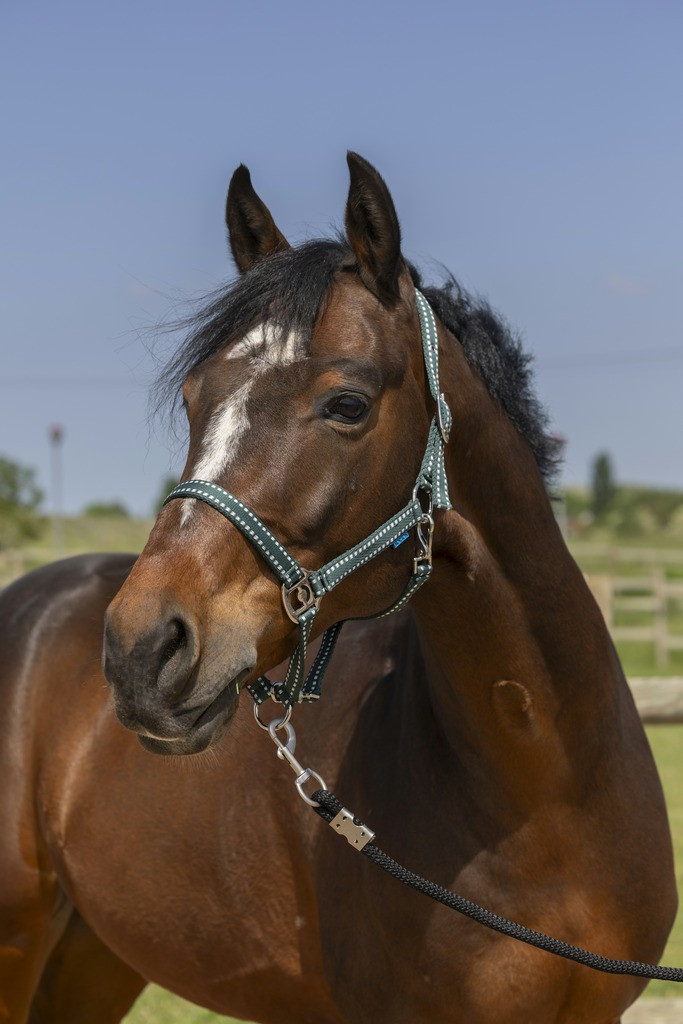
x: 484, y: 731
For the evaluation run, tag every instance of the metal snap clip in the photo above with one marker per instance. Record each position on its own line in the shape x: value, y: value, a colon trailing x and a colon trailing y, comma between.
x: 425, y: 533
x: 285, y: 751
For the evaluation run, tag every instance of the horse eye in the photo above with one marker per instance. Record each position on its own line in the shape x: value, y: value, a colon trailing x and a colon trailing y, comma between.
x: 346, y: 408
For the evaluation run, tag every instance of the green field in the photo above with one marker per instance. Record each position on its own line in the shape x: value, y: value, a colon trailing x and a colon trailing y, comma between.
x: 79, y: 535
x: 156, y: 1006
x: 667, y: 746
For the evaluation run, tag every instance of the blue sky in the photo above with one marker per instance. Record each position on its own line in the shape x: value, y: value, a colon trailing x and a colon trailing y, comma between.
x: 534, y: 148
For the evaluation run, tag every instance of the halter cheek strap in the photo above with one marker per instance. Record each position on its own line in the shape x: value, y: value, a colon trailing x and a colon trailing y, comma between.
x: 303, y: 589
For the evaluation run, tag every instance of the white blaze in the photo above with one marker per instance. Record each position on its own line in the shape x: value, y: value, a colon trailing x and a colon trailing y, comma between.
x: 265, y: 341
x: 266, y: 347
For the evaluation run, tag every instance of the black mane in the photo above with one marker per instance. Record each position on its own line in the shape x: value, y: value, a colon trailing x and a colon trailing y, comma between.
x: 496, y: 352
x: 291, y: 288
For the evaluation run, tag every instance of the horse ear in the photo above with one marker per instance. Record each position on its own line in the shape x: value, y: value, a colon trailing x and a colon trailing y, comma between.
x: 373, y: 230
x: 252, y: 232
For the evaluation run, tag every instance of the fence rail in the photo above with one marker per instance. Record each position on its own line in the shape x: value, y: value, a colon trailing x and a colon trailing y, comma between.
x: 659, y: 699
x: 584, y: 550
x: 651, y: 594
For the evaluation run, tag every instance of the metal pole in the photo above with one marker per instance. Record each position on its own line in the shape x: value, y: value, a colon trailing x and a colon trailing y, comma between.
x: 560, y: 502
x: 56, y: 434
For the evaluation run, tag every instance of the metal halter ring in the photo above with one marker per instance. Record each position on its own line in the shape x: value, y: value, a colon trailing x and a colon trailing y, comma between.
x: 275, y: 723
x: 419, y: 487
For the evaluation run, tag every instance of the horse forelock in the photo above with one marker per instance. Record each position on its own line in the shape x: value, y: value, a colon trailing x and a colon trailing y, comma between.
x: 279, y: 299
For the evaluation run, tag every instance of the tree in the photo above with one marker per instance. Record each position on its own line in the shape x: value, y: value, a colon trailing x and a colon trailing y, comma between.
x: 603, y: 487
x: 107, y: 508
x: 20, y: 500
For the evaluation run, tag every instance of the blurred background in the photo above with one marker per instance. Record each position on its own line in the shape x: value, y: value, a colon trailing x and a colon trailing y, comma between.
x: 534, y: 149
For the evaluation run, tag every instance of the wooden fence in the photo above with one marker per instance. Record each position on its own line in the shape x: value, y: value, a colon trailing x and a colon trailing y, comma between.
x: 641, y: 584
x: 659, y: 699
x: 615, y: 556
x: 650, y: 594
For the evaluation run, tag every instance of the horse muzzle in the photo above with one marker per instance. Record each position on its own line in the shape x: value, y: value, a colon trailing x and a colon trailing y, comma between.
x: 177, y: 696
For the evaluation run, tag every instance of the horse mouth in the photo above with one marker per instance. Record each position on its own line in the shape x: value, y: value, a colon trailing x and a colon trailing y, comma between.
x: 205, y: 730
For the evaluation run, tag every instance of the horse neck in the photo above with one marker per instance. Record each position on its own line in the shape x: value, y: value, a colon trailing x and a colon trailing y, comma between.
x: 516, y: 650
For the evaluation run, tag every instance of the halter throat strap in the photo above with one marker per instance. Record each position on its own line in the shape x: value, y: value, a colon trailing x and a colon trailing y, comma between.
x: 303, y: 589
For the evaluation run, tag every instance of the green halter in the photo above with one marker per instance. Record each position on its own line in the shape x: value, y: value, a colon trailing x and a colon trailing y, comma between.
x: 303, y: 589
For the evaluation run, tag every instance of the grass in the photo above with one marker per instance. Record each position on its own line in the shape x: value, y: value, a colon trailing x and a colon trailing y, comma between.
x: 94, y: 533
x: 639, y: 660
x: 80, y: 535
x: 667, y: 746
x: 157, y: 1006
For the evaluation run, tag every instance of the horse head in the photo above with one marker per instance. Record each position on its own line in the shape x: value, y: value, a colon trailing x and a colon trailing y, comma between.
x: 305, y: 392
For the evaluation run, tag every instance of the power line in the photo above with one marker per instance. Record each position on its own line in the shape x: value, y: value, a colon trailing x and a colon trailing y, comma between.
x: 570, y: 361
x: 105, y: 383
x: 581, y: 359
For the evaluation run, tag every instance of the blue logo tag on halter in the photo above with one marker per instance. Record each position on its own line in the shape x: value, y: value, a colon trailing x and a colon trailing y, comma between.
x: 399, y: 540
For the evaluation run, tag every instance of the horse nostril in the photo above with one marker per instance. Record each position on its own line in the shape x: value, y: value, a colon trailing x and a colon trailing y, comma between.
x: 177, y: 656
x: 177, y: 642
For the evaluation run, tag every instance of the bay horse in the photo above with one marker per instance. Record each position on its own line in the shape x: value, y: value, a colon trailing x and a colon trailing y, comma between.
x: 485, y: 731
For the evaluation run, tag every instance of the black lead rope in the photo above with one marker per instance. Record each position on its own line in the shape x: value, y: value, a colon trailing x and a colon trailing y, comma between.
x: 362, y: 838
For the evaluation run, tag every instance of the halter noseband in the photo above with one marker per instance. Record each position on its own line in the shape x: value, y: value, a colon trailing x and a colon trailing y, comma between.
x: 303, y: 589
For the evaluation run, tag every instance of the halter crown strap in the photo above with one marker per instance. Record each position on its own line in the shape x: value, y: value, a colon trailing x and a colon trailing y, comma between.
x: 432, y: 475
x: 302, y: 590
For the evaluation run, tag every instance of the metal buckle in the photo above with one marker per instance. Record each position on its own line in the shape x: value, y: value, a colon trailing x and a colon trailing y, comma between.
x: 303, y: 594
x: 445, y: 431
